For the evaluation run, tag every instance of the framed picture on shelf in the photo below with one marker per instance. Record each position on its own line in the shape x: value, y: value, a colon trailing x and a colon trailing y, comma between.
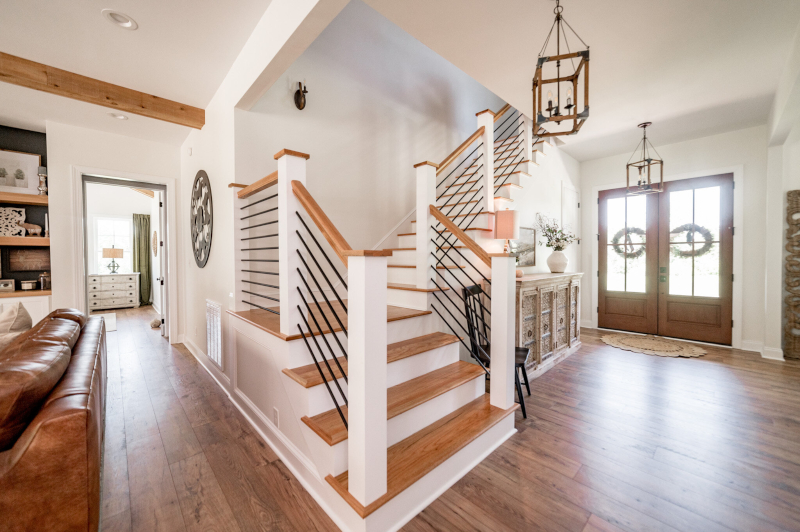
x: 19, y: 172
x: 525, y: 246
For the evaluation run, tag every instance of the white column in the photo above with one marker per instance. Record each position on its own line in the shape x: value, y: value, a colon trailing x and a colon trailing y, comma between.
x: 426, y: 196
x: 367, y: 403
x: 291, y: 167
x: 774, y: 238
x: 238, y: 254
x: 503, y: 302
x: 525, y: 130
x: 486, y: 119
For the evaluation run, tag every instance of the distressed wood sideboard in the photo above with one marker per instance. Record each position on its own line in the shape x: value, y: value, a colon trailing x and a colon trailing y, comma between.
x: 548, y: 318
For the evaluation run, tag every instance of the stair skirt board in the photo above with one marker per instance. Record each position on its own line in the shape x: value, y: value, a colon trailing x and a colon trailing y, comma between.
x: 318, y: 400
x: 402, y: 426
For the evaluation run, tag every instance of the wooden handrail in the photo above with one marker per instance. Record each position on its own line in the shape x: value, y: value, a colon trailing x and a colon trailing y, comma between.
x: 502, y: 111
x: 461, y: 235
x: 458, y: 151
x: 258, y: 186
x: 321, y: 220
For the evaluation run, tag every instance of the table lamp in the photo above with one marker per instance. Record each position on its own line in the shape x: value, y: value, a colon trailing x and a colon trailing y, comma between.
x: 112, y: 253
x: 506, y: 227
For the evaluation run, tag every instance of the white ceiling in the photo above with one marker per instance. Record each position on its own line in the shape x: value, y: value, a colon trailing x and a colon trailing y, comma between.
x: 693, y: 68
x: 181, y: 51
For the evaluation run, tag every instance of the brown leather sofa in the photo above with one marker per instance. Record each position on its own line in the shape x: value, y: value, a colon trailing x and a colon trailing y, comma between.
x: 52, y: 413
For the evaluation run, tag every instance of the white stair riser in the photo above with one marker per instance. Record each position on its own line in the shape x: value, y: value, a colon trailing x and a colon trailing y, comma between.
x: 319, y: 400
x: 409, y: 328
x: 404, y: 257
x: 538, y: 156
x: 516, y: 178
x: 402, y: 275
x: 412, y: 421
x: 407, y: 241
x: 407, y: 299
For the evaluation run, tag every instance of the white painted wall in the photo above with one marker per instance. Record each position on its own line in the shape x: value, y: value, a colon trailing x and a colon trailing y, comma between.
x: 746, y: 148
x: 68, y: 148
x: 379, y: 102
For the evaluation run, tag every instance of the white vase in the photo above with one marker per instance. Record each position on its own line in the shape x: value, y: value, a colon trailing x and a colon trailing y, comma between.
x: 557, y: 262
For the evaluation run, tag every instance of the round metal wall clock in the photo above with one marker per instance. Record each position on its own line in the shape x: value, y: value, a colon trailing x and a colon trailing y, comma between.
x: 202, y: 219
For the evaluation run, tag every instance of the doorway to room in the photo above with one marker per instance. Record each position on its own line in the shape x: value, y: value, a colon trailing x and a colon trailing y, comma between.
x: 125, y: 248
x: 666, y: 260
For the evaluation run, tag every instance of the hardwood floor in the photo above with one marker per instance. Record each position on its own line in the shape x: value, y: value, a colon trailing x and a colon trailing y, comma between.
x: 613, y: 441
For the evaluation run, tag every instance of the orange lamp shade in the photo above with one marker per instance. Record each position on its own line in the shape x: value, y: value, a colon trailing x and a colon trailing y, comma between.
x: 506, y: 225
x: 112, y: 253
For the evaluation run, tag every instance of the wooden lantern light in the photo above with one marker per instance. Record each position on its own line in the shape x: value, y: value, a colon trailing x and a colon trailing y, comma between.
x: 645, y: 166
x: 566, y: 85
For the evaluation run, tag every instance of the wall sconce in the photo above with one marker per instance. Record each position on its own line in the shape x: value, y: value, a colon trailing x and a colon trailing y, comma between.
x: 300, y: 96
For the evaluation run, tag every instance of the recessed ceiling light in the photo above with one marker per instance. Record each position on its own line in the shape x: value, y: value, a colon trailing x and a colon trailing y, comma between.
x: 118, y: 116
x: 120, y: 19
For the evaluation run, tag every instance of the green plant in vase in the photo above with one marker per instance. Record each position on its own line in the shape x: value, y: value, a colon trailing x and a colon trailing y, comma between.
x: 557, y: 238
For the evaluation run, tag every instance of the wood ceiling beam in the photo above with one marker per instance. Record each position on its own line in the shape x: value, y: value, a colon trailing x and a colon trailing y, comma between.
x: 32, y: 75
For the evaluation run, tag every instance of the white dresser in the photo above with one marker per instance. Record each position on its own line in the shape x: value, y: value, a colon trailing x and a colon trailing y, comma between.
x: 113, y: 290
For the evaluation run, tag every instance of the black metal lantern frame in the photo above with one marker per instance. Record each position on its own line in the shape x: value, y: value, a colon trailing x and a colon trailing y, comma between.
x: 556, y: 112
x: 644, y: 167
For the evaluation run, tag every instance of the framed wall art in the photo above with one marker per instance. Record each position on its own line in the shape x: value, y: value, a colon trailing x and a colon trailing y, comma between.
x: 19, y: 172
x: 525, y: 246
x: 9, y: 219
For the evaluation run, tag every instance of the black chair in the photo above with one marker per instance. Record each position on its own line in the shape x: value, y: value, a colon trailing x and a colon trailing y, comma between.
x: 479, y: 340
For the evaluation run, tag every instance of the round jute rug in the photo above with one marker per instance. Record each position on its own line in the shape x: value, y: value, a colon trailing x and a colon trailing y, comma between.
x: 653, y: 345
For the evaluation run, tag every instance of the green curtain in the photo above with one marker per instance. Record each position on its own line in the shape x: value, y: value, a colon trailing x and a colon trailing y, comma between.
x: 141, y: 255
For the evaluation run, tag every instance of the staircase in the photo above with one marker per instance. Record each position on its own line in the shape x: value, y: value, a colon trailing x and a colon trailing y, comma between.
x: 385, y: 410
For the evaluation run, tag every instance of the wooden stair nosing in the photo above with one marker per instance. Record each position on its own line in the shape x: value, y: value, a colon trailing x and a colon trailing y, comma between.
x: 413, y: 288
x: 487, y: 213
x: 308, y: 376
x: 447, y: 230
x: 510, y: 185
x: 438, y: 267
x: 400, y: 398
x: 414, y: 457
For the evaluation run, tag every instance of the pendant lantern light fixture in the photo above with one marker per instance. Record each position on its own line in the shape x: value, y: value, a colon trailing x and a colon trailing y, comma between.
x: 564, y: 87
x: 644, y: 167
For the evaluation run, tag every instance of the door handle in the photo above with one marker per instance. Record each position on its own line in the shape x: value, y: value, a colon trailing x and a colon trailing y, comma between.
x: 663, y: 279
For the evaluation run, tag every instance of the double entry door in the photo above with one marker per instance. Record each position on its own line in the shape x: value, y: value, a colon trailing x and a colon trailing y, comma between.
x: 666, y: 260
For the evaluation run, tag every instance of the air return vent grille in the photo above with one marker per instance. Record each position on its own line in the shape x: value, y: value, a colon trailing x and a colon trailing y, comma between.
x: 214, y: 331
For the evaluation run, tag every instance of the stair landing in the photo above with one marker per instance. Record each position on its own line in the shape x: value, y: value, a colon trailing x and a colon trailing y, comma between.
x: 271, y: 323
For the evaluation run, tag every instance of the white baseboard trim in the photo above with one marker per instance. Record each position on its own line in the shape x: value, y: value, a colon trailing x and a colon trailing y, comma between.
x: 772, y: 353
x: 206, y: 363
x: 587, y: 324
x: 752, y: 345
x: 156, y: 309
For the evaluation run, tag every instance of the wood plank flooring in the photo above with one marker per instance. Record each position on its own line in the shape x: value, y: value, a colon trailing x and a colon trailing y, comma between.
x: 614, y: 441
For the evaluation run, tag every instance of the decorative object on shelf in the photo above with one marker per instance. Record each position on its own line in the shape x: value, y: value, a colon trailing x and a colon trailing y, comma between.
x: 9, y: 216
x: 201, y: 218
x: 653, y: 345
x: 525, y: 247
x: 791, y: 329
x: 556, y: 238
x: 112, y: 253
x: 506, y: 225
x: 6, y: 285
x: 155, y: 243
x: 28, y: 285
x: 300, y: 96
x: 644, y: 166
x: 18, y: 171
x: 44, y: 281
x: 42, y: 181
x: 28, y: 259
x: 32, y: 229
x: 47, y: 225
x: 558, y: 113
x: 156, y: 323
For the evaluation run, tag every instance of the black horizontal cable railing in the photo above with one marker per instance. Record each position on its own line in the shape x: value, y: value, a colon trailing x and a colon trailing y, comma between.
x: 256, y: 283
x: 317, y: 307
x: 451, y: 270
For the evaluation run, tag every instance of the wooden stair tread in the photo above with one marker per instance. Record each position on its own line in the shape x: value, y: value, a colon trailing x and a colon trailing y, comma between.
x: 514, y: 185
x: 487, y: 213
x: 308, y: 376
x: 512, y: 173
x: 414, y: 249
x: 413, y: 287
x: 509, y: 138
x: 412, y: 458
x: 453, y: 267
x: 400, y: 398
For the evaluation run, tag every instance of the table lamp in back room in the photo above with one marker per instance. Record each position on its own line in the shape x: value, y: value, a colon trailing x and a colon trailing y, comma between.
x: 507, y: 227
x: 112, y: 253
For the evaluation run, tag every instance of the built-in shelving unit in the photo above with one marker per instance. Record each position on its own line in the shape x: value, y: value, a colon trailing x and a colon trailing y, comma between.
x: 26, y: 293
x: 24, y: 241
x: 23, y: 199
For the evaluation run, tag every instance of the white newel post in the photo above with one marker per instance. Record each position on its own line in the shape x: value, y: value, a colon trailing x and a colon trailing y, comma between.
x: 291, y: 167
x: 526, y: 136
x: 486, y: 119
x: 238, y: 254
x: 426, y: 196
x: 367, y: 402
x: 503, y: 302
